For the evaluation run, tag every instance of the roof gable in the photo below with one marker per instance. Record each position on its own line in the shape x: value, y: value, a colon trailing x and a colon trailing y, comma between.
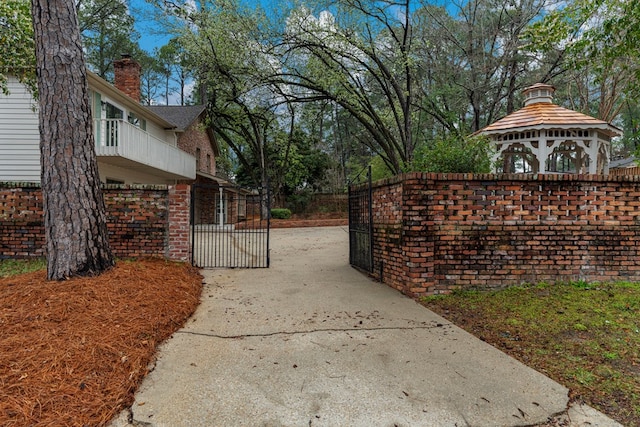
x: 182, y: 116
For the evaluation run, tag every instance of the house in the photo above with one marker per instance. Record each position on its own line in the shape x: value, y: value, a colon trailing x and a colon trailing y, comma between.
x: 193, y: 136
x: 134, y: 145
x: 215, y: 200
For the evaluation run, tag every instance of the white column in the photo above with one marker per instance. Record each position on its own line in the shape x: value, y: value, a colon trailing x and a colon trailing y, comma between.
x: 592, y: 152
x: 542, y: 152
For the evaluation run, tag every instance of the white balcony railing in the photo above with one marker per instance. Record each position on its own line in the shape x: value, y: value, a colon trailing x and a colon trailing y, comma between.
x: 119, y: 138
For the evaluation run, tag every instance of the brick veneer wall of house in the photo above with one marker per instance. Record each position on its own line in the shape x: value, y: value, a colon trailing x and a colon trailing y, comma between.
x: 207, y: 202
x: 142, y: 221
x: 194, y: 138
x: 434, y: 233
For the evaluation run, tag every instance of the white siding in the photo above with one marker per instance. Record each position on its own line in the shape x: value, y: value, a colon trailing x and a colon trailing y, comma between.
x: 19, y: 136
x: 167, y: 136
x: 20, y: 145
x: 152, y: 128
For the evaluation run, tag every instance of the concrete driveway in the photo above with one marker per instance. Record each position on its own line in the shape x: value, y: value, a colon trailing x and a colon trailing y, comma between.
x: 312, y: 342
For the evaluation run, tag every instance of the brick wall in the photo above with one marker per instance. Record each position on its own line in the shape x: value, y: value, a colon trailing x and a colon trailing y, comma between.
x: 21, y: 229
x: 434, y: 233
x: 178, y: 247
x: 195, y: 138
x: 142, y: 220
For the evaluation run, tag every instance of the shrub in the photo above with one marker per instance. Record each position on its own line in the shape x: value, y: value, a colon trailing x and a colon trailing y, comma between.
x: 279, y: 213
x: 454, y: 155
x: 299, y: 201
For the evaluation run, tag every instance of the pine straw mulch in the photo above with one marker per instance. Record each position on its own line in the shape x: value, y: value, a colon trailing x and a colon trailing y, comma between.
x: 72, y: 353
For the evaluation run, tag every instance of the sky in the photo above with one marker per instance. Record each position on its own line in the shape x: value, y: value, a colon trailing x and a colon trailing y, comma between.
x: 146, y: 27
x: 150, y: 36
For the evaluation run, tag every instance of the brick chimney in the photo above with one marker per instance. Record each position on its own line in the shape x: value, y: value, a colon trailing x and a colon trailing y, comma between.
x: 127, y: 76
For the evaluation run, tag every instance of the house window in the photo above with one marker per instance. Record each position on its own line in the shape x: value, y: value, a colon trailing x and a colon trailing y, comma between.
x: 242, y: 207
x: 113, y: 112
x: 197, y: 159
x: 208, y: 162
x: 112, y: 129
x: 137, y: 121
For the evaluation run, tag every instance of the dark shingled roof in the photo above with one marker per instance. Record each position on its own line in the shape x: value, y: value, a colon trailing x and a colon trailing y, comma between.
x: 623, y: 163
x: 180, y: 115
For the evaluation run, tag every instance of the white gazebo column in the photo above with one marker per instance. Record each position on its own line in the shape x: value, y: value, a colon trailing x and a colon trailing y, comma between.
x: 541, y: 153
x: 606, y: 147
x: 592, y: 152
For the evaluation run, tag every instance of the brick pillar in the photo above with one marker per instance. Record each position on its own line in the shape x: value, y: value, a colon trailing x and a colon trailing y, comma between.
x: 417, y: 246
x: 178, y: 247
x: 127, y: 76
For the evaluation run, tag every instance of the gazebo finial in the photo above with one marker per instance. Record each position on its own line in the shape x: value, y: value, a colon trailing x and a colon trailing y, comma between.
x: 539, y: 92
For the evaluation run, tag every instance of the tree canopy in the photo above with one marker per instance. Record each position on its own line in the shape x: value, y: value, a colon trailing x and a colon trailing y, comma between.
x: 385, y: 81
x: 107, y: 33
x: 17, y: 49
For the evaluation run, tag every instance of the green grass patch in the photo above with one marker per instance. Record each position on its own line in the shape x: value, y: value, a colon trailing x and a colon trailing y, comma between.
x: 584, y: 335
x: 13, y: 267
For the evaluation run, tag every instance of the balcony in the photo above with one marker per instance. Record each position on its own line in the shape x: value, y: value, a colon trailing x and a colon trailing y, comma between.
x: 122, y: 144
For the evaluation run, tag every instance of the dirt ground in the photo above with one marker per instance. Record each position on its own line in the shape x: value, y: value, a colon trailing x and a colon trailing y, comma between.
x: 72, y: 353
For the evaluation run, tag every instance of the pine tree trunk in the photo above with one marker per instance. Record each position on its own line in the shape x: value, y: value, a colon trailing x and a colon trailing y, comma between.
x: 74, y: 210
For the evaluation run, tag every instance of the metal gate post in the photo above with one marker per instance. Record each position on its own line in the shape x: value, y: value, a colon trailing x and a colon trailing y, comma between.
x: 221, y: 209
x: 350, y: 213
x: 370, y: 195
x: 192, y: 217
x: 268, y: 223
x: 361, y: 224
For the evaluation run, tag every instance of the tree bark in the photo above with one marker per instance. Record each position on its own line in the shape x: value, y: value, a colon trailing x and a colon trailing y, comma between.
x: 74, y: 210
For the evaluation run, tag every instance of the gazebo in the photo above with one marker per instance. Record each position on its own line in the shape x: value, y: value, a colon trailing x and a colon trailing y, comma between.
x: 543, y: 137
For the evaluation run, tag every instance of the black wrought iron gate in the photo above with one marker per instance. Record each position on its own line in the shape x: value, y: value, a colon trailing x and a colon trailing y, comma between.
x: 361, y: 224
x: 229, y: 227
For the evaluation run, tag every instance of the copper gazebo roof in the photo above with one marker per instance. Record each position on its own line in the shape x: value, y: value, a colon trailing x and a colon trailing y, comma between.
x: 541, y: 114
